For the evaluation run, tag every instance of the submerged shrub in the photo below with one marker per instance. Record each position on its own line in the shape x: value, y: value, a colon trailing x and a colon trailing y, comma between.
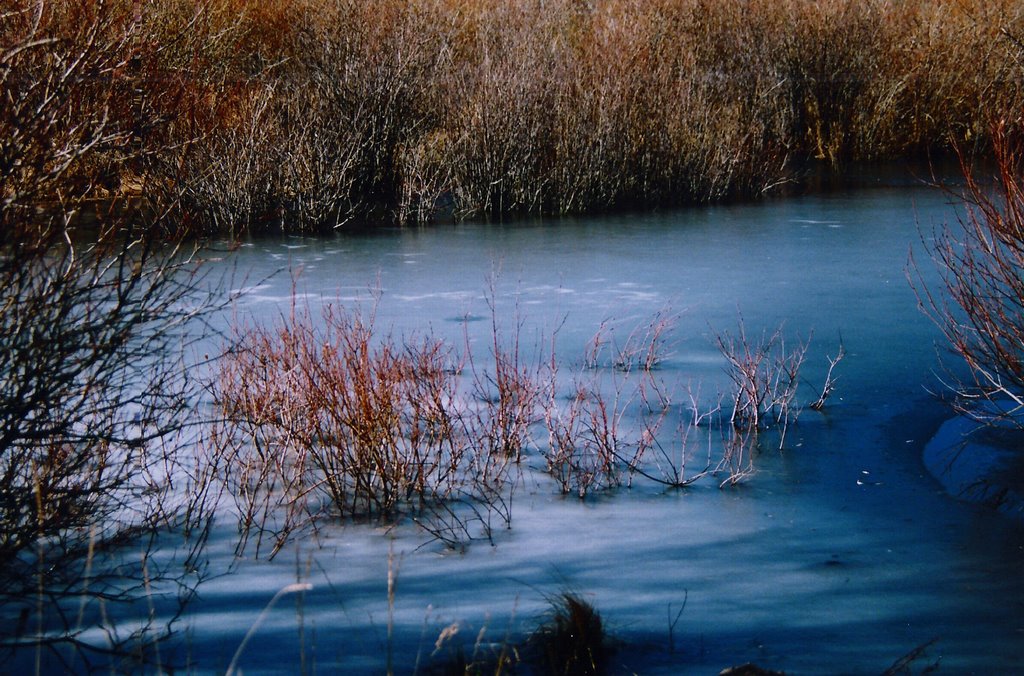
x: 342, y: 421
x: 328, y: 417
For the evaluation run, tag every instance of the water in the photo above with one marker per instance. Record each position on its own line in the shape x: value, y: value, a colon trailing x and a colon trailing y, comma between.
x: 838, y: 556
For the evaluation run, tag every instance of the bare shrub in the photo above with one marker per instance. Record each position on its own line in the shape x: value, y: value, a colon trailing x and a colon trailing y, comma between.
x: 304, y: 115
x: 765, y: 377
x: 229, y: 171
x: 96, y: 438
x: 340, y: 421
x: 60, y: 135
x: 331, y: 421
x: 510, y: 394
x: 829, y: 385
x: 737, y: 461
x: 498, y: 423
x: 671, y: 461
x: 647, y: 344
x: 98, y: 323
x: 500, y: 127
x: 359, y: 93
x: 583, y: 443
x: 644, y: 348
x: 981, y: 310
x: 572, y: 108
x: 589, y: 447
x: 720, y: 447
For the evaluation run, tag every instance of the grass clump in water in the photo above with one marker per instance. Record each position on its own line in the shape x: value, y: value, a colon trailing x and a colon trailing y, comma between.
x: 573, y: 640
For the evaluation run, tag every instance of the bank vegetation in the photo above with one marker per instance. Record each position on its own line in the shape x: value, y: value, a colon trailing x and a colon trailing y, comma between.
x: 301, y: 115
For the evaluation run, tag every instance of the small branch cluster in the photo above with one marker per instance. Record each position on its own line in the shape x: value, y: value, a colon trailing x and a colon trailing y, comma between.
x: 829, y: 385
x: 585, y: 444
x: 670, y: 461
x: 645, y: 347
x: 765, y: 376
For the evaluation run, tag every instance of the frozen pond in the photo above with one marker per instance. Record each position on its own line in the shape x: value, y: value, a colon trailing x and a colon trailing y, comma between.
x: 839, y: 555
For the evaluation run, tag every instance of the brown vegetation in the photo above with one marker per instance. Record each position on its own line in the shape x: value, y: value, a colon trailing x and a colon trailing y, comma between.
x: 306, y: 114
x: 573, y: 641
x: 302, y: 114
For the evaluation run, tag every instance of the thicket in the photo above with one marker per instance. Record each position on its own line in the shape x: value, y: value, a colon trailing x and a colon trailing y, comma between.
x: 98, y: 319
x: 342, y: 421
x: 305, y: 114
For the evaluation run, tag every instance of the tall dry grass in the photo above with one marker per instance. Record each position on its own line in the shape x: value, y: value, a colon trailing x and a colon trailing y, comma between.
x: 306, y: 114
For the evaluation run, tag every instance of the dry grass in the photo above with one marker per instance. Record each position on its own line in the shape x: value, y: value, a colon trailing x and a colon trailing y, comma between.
x: 307, y: 114
x: 573, y: 641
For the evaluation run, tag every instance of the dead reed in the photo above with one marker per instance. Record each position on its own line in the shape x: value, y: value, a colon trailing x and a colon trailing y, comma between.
x: 304, y: 114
